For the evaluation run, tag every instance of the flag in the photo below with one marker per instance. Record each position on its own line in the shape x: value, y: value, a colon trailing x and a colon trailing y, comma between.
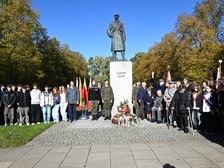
x: 85, y: 93
x: 90, y: 84
x: 77, y: 82
x: 80, y: 95
x: 168, y: 77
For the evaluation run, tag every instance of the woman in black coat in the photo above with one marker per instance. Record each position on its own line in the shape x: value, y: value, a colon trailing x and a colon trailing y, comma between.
x: 181, y: 104
x: 148, y: 101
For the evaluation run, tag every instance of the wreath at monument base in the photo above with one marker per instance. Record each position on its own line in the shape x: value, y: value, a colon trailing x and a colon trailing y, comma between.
x: 124, y: 117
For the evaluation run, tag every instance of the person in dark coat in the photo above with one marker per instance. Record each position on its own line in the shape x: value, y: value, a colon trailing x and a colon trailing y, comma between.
x: 9, y: 99
x: 158, y: 85
x: 72, y: 96
x: 23, y: 102
x: 220, y: 104
x: 136, y: 105
x: 2, y: 91
x: 181, y: 105
x: 141, y: 94
x: 94, y: 98
x: 148, y: 102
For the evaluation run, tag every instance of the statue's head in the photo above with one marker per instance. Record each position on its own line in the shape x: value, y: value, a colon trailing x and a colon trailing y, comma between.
x: 116, y: 16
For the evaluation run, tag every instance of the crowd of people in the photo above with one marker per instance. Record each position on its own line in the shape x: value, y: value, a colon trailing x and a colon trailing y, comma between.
x: 24, y: 106
x: 181, y: 103
x: 21, y: 105
x: 178, y: 103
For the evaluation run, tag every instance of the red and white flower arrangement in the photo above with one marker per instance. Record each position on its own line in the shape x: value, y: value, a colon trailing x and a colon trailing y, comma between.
x: 124, y: 117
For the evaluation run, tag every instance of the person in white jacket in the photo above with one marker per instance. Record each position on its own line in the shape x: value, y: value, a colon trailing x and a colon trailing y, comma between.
x: 35, y: 104
x: 63, y: 104
x: 46, y: 102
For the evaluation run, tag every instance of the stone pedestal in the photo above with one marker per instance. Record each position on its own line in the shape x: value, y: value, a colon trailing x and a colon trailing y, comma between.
x: 121, y: 82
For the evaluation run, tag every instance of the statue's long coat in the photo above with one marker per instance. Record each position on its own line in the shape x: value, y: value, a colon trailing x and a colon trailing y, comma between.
x: 117, y: 33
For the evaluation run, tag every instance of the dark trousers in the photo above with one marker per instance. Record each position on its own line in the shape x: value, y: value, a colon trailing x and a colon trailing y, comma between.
x: 1, y: 114
x: 72, y: 113
x: 206, y: 121
x: 35, y: 113
x: 136, y: 108
x: 183, y: 122
x: 142, y: 110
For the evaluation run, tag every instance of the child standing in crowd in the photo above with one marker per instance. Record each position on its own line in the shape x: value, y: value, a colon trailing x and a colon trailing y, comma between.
x: 23, y: 102
x: 9, y: 99
x: 56, y: 106
x: 157, y: 107
x: 46, y: 102
x: 35, y: 94
x: 181, y: 104
x: 63, y: 103
x: 148, y: 101
x: 196, y: 104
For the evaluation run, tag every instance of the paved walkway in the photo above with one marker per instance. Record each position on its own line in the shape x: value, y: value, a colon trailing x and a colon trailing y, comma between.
x: 84, y: 132
x: 68, y: 145
x: 155, y: 155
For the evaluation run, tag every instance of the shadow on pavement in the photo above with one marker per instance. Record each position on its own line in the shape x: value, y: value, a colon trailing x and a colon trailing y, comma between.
x: 215, y: 137
x: 167, y: 165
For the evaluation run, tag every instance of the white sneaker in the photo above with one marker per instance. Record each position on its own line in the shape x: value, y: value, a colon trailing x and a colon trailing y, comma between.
x: 32, y: 124
x: 38, y: 123
x: 27, y: 123
x: 20, y: 124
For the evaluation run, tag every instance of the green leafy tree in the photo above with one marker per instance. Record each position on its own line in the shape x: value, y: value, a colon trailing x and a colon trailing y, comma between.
x: 17, y: 22
x: 99, y: 68
x: 28, y: 55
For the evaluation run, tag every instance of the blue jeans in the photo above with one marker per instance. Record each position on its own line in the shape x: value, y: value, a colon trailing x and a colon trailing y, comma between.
x: 46, y: 113
x: 196, y: 118
x: 55, y: 113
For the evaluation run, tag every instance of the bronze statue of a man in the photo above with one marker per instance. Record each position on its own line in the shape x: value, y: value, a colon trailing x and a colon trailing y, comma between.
x: 117, y: 33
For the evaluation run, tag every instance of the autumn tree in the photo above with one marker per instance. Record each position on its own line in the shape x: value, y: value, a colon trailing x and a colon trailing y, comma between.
x: 192, y: 50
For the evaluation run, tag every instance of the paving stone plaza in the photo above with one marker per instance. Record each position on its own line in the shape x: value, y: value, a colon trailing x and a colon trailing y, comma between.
x: 83, y: 132
x: 98, y: 144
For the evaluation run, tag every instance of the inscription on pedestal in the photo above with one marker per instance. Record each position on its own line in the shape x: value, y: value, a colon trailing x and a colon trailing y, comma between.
x: 121, y: 82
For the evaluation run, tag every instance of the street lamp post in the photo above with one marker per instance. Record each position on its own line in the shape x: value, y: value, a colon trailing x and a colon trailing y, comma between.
x: 220, y: 69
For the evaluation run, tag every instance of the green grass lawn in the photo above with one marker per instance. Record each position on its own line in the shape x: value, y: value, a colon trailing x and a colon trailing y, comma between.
x: 12, y: 136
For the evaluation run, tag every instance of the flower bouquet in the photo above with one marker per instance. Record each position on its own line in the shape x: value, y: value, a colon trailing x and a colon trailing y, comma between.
x: 124, y: 117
